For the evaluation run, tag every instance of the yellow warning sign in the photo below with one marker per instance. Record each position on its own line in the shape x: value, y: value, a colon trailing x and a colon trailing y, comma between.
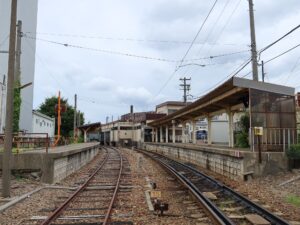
x: 258, y: 131
x: 155, y: 194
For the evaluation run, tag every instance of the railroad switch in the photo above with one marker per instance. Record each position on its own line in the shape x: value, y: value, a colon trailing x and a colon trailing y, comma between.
x: 160, y: 207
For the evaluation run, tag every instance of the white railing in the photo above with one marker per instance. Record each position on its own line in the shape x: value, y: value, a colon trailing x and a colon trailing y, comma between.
x: 274, y: 139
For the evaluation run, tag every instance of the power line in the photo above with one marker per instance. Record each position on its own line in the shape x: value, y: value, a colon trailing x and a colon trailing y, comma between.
x: 132, y: 55
x: 4, y: 40
x: 195, y: 38
x: 283, y: 53
x: 200, y: 29
x: 126, y: 39
x: 279, y: 39
x: 232, y: 74
x: 44, y: 65
x: 225, y: 25
x: 292, y: 70
x: 103, y: 50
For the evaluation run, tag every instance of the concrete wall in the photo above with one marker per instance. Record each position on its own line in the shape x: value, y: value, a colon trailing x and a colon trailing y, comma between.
x: 62, y: 167
x: 230, y: 163
x: 55, y: 165
x: 27, y: 12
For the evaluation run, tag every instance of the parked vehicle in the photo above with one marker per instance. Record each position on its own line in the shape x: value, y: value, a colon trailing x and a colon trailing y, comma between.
x: 201, y: 134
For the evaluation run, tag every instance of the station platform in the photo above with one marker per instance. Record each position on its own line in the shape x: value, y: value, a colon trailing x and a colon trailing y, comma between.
x: 235, y: 163
x: 55, y: 164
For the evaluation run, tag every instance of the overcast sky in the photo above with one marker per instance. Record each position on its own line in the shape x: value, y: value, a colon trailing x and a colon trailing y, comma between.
x: 107, y: 83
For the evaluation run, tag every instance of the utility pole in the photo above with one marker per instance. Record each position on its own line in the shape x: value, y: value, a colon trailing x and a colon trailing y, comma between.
x: 78, y: 119
x: 75, y: 112
x: 18, y: 52
x: 6, y: 171
x: 132, y: 124
x: 262, y: 71
x: 253, y: 42
x: 186, y: 87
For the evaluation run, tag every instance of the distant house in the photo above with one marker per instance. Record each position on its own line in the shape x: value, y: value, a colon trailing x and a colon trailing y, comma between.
x: 170, y: 107
x: 42, y: 123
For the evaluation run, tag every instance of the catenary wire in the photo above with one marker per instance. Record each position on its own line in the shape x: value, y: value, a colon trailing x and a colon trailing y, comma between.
x: 133, y: 55
x: 279, y: 39
x: 191, y: 45
x: 126, y: 39
x: 210, y: 32
x: 283, y: 53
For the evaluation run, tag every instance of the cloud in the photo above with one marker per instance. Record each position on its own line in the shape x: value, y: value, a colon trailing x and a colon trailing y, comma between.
x: 107, y: 84
x: 99, y: 84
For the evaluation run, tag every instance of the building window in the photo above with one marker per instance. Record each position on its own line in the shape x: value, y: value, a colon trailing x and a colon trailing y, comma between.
x: 37, y: 121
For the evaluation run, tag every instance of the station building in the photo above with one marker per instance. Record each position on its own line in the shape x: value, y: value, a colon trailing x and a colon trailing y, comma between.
x: 172, y: 128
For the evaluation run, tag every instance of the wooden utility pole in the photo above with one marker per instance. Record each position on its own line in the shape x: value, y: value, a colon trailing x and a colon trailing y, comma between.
x: 6, y: 171
x: 18, y: 52
x: 253, y: 42
x: 75, y: 112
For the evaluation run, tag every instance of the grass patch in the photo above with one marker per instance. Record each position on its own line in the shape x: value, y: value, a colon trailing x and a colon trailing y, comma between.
x: 16, y: 151
x: 294, y: 200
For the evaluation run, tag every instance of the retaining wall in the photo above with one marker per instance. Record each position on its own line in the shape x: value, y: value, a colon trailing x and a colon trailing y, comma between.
x: 230, y: 163
x: 58, y: 163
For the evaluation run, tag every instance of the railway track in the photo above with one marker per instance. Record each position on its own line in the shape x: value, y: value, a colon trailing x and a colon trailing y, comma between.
x: 222, y: 204
x: 94, y: 200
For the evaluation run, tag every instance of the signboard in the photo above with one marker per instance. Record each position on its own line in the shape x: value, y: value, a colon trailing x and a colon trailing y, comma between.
x: 259, y: 131
x: 155, y: 194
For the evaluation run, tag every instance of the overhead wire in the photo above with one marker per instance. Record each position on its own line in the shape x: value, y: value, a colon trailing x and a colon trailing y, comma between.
x: 279, y: 39
x: 283, y: 53
x: 210, y: 32
x: 4, y: 40
x: 262, y: 50
x: 221, y: 32
x: 188, y: 50
x: 45, y: 66
x: 292, y: 70
x: 126, y: 39
x: 133, y: 55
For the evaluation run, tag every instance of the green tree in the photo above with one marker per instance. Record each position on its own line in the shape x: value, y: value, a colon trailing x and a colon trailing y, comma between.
x: 17, y: 106
x: 67, y: 118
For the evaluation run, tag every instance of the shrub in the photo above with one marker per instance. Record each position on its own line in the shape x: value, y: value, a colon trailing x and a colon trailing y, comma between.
x: 242, y: 139
x: 294, y: 151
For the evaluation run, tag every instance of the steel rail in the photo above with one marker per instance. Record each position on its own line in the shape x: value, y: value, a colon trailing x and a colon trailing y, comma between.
x: 214, y: 213
x: 108, y: 213
x: 273, y: 219
x: 60, y: 209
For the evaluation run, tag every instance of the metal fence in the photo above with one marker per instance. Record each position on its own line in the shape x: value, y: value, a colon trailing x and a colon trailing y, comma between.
x: 28, y: 141
x: 274, y: 139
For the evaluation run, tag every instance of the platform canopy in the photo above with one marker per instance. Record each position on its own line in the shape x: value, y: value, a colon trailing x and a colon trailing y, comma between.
x: 90, y: 126
x: 231, y: 95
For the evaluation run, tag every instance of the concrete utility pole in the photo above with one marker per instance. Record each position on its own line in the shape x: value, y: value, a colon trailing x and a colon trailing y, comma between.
x: 75, y: 112
x: 9, y: 103
x: 186, y: 87
x: 18, y: 52
x: 78, y: 119
x: 263, y: 71
x: 253, y: 42
x: 132, y: 124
